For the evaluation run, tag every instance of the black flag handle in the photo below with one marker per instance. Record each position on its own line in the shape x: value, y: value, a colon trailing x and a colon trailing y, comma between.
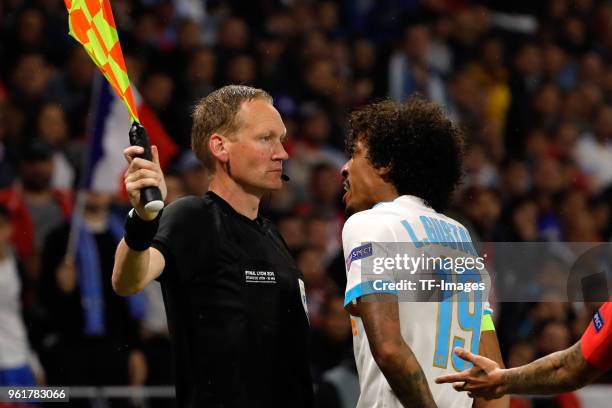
x: 150, y: 197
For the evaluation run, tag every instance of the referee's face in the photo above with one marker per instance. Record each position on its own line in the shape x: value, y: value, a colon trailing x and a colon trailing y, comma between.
x: 257, y: 152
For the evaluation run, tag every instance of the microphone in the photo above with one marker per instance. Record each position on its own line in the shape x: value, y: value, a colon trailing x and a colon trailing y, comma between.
x: 285, y: 177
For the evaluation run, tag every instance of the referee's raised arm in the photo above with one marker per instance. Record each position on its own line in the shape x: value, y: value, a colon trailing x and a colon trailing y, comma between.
x: 136, y: 263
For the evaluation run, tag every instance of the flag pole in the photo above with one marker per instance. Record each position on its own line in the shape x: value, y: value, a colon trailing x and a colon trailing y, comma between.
x: 84, y: 173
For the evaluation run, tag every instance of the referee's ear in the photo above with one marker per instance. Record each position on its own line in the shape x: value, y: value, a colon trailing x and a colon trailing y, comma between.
x: 217, y: 146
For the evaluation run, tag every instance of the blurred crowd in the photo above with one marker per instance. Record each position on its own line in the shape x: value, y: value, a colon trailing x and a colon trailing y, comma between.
x: 530, y: 84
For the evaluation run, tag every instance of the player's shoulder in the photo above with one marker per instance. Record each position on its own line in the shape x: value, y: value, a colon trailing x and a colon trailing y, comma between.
x: 364, y: 218
x: 371, y: 222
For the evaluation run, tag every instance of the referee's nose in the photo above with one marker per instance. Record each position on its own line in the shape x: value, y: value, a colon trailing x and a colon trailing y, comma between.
x: 280, y: 153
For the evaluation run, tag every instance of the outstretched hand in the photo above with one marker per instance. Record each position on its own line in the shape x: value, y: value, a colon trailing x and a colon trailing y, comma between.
x: 484, y: 380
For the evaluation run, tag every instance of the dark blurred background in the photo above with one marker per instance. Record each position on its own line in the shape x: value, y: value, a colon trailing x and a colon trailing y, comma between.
x: 529, y: 82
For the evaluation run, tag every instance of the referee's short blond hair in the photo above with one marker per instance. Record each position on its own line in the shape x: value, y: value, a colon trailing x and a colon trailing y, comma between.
x: 217, y: 113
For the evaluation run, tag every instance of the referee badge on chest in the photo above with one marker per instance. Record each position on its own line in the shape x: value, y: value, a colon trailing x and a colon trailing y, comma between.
x: 257, y: 276
x: 303, y: 297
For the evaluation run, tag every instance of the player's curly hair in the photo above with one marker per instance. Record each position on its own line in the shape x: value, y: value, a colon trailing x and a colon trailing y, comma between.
x: 421, y: 148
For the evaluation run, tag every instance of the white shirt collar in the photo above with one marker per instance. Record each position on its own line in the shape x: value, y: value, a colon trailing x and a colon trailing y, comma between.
x: 406, y: 199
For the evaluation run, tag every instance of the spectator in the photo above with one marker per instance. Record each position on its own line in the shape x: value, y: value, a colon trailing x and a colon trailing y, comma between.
x: 322, y: 233
x: 409, y: 71
x: 241, y: 69
x: 312, y: 149
x: 35, y: 207
x: 332, y: 341
x: 521, y: 353
x: 92, y: 335
x: 339, y: 387
x: 176, y: 187
x: 483, y: 208
x: 492, y: 77
x: 525, y: 77
x: 7, y: 172
x: 157, y: 92
x: 324, y: 194
x: 515, y: 178
x: 192, y: 174
x: 292, y: 229
x: 52, y: 128
x: 558, y: 68
x: 19, y: 365
x: 232, y: 39
x: 479, y: 171
x: 546, y: 105
x: 156, y: 343
x: 29, y: 82
x: 196, y: 81
x: 594, y: 150
x: 320, y: 287
x: 520, y: 219
x: 369, y: 81
x: 71, y: 88
x: 320, y: 83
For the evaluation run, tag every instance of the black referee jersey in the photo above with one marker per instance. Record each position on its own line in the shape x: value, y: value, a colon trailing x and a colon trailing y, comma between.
x: 236, y: 308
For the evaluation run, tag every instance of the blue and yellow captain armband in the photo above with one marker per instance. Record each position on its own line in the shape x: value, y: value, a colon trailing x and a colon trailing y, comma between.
x: 487, y: 323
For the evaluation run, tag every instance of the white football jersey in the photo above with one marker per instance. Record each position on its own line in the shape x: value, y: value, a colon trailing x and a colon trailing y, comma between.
x: 431, y: 329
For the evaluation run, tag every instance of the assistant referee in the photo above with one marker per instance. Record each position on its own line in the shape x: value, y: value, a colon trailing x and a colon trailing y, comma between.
x: 234, y: 298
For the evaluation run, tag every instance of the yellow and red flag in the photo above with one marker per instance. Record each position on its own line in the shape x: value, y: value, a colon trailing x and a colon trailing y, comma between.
x: 92, y: 24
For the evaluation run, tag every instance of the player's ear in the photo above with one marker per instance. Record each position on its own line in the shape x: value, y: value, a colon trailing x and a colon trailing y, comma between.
x: 383, y: 171
x: 218, y: 147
